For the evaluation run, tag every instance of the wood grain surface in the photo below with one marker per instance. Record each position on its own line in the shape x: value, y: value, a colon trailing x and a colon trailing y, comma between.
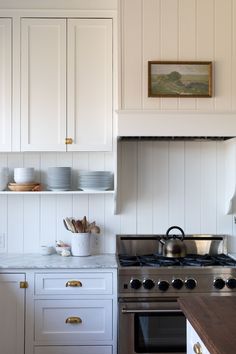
x: 214, y: 320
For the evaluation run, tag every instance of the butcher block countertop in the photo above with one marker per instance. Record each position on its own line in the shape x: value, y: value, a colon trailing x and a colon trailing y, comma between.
x: 214, y: 320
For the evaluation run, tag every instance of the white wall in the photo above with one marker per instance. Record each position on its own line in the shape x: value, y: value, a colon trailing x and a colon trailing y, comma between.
x: 160, y: 184
x: 178, y: 30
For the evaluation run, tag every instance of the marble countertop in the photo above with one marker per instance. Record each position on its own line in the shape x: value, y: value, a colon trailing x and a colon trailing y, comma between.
x: 55, y: 261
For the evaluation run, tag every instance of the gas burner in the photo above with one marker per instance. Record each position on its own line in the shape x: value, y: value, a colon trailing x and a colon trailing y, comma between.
x: 191, y: 260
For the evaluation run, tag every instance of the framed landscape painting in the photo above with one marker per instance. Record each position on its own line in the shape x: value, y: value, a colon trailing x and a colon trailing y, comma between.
x: 179, y: 79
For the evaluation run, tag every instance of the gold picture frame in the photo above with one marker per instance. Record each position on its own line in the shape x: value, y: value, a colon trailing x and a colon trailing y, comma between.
x: 179, y: 79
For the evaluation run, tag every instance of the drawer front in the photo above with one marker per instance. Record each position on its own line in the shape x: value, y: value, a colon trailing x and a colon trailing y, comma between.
x: 73, y: 350
x: 73, y: 283
x: 73, y: 321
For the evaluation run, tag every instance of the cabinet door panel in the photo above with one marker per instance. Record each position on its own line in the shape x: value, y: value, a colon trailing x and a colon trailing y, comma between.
x: 90, y: 84
x: 43, y: 84
x: 12, y: 314
x: 74, y: 350
x: 5, y: 86
x: 51, y: 326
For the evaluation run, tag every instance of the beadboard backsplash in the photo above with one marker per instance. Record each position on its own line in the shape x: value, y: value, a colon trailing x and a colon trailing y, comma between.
x: 160, y: 183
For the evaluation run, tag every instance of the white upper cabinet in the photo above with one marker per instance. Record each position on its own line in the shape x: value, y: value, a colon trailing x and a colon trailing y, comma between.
x: 43, y: 84
x: 66, y: 84
x: 5, y: 86
x: 90, y: 84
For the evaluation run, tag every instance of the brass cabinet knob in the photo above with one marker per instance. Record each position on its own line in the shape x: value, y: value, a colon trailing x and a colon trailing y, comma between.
x: 197, y: 348
x: 68, y: 141
x: 73, y: 320
x: 74, y: 283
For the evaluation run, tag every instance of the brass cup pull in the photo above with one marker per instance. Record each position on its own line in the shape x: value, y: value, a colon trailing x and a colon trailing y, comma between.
x: 197, y: 348
x: 73, y: 320
x: 74, y: 283
x: 68, y: 141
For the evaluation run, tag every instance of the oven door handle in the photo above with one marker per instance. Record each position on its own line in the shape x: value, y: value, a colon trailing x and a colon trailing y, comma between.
x: 150, y: 311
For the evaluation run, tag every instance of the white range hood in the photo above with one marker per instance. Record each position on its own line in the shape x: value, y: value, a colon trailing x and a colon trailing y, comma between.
x: 131, y: 123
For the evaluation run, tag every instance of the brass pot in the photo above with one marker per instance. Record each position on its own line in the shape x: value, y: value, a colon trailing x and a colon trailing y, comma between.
x: 173, y: 246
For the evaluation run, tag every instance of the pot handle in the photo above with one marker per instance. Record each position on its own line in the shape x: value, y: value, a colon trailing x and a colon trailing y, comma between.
x: 178, y: 228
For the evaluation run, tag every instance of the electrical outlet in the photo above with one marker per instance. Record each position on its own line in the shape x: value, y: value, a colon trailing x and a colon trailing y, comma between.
x: 2, y: 240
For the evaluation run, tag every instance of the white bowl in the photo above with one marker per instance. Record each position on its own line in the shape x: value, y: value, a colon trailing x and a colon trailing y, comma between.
x: 24, y: 175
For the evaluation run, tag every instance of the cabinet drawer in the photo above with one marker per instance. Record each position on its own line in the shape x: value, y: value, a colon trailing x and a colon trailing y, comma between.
x: 73, y: 350
x: 93, y: 321
x: 73, y: 283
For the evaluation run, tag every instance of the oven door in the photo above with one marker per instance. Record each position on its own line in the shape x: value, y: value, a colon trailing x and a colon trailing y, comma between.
x: 151, y: 327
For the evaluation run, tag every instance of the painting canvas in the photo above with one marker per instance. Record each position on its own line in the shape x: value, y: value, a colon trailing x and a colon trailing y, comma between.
x: 179, y: 79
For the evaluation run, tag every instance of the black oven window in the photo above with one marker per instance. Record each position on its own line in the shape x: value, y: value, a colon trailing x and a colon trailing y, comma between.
x: 160, y: 333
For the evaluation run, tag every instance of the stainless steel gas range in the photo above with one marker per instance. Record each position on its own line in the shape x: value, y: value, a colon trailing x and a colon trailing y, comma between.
x: 149, y: 284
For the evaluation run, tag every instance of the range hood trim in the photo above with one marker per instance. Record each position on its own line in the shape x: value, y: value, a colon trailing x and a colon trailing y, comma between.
x: 148, y: 123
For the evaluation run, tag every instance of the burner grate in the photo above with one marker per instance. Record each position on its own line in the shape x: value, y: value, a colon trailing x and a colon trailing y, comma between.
x: 193, y: 260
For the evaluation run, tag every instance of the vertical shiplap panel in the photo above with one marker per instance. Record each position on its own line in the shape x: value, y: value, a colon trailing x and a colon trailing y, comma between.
x: 224, y: 222
x: 208, y: 187
x: 96, y: 161
x: 3, y: 223
x: 233, y: 44
x: 151, y: 45
x: 33, y: 160
x: 169, y: 41
x: 112, y: 225
x: 176, y: 184
x: 32, y: 208
x: 31, y: 221
x: 205, y: 43
x: 48, y: 220
x: 128, y: 187
x: 80, y: 203
x: 160, y: 186
x: 223, y: 52
x: 64, y: 209
x: 3, y: 210
x: 187, y: 41
x: 192, y: 187
x: 97, y: 203
x: 15, y: 209
x: 131, y: 80
x: 15, y: 224
x: 96, y: 213
x: 145, y: 190
x: 112, y: 221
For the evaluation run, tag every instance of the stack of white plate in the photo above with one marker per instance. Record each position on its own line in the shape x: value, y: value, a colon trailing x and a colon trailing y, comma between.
x: 59, y: 178
x: 95, y: 180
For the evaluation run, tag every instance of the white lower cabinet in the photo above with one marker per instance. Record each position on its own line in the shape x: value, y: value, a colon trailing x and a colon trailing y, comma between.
x: 73, y: 350
x: 73, y: 312
x: 73, y: 321
x: 194, y: 342
x: 12, y: 313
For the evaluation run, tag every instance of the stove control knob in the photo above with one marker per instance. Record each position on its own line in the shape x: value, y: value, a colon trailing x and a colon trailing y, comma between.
x: 190, y: 283
x: 163, y: 285
x: 219, y: 283
x: 148, y: 284
x: 135, y: 284
x: 231, y: 283
x: 177, y: 283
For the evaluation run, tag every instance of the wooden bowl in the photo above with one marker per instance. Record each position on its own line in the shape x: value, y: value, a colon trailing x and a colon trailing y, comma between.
x: 16, y: 187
